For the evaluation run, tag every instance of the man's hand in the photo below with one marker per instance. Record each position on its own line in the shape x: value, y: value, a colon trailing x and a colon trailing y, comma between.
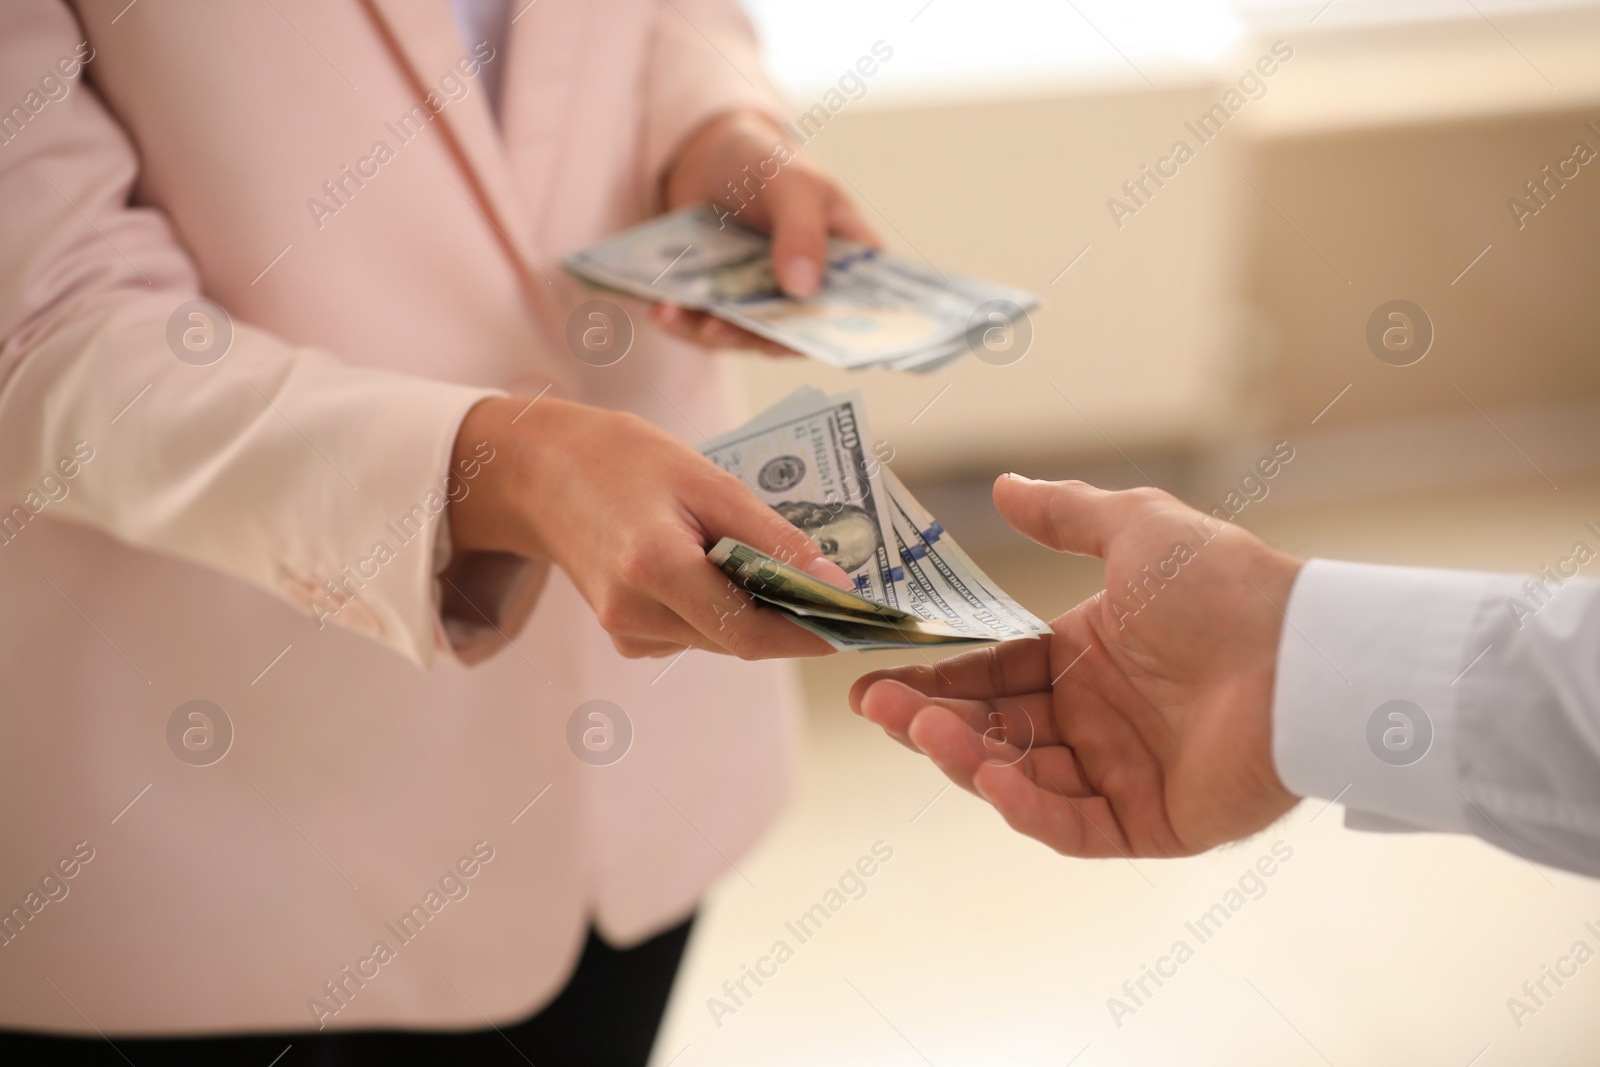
x: 1142, y: 725
x: 743, y: 163
x: 628, y: 512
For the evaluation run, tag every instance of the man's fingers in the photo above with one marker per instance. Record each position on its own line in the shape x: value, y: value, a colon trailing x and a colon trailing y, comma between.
x: 1039, y: 793
x: 1066, y: 516
x: 1015, y: 723
x: 948, y: 742
x: 1056, y: 767
x: 1073, y: 826
x: 892, y: 706
x: 962, y: 751
x: 799, y: 206
x: 1019, y: 731
x: 1007, y: 669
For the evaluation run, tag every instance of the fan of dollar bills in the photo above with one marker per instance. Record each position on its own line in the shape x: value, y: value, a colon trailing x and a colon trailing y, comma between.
x: 811, y: 458
x: 874, y: 309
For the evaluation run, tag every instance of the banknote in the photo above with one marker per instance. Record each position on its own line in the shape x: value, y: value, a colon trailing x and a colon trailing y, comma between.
x: 810, y: 460
x: 841, y: 618
x: 912, y: 584
x: 873, y: 309
x: 938, y: 582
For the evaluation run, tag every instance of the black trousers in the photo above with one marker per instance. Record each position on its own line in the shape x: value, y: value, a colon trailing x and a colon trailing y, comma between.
x: 607, y: 1016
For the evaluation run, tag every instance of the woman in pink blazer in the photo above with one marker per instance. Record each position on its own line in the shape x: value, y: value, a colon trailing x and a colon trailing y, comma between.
x: 326, y: 561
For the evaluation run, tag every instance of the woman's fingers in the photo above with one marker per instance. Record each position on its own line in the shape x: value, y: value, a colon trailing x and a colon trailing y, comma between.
x: 798, y: 205
x: 708, y: 331
x: 729, y: 619
x: 636, y: 648
x: 846, y: 220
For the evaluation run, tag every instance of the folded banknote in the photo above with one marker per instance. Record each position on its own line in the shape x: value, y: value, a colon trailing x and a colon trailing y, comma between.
x: 811, y: 458
x: 874, y: 309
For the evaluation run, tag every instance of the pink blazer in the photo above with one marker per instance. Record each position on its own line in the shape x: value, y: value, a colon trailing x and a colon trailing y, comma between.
x: 328, y: 172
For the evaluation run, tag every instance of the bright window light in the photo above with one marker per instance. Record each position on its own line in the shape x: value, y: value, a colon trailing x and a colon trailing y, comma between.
x: 962, y: 48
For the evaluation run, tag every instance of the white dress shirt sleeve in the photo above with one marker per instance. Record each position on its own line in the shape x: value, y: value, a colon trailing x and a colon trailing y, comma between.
x: 1447, y: 701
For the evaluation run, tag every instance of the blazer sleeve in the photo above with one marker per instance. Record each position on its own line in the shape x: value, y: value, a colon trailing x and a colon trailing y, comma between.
x: 702, y: 59
x: 276, y: 464
x: 1448, y: 701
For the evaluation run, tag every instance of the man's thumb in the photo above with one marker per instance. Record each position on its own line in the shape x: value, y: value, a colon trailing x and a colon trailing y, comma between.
x: 1066, y: 516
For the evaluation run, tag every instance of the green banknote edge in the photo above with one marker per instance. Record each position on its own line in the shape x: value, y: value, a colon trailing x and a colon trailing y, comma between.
x: 800, y: 594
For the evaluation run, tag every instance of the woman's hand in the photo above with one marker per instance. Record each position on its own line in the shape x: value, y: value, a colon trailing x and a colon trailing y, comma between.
x: 628, y: 512
x: 742, y: 163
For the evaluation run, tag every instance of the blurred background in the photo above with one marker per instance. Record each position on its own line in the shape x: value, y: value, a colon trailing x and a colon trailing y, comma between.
x: 1440, y: 152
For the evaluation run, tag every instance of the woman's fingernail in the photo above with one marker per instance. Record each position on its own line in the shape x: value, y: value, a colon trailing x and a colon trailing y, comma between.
x: 800, y: 276
x: 826, y: 569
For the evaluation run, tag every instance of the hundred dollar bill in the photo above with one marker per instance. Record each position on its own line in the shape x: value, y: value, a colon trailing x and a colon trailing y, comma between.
x: 873, y: 307
x: 918, y: 582
x: 939, y: 582
x: 810, y: 460
x: 841, y: 618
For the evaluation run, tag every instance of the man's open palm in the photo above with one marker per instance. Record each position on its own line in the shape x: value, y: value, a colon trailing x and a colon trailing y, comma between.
x: 1142, y: 725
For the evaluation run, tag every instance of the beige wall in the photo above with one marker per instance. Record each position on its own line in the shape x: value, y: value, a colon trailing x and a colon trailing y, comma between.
x: 1214, y: 318
x: 1141, y: 334
x: 1402, y: 211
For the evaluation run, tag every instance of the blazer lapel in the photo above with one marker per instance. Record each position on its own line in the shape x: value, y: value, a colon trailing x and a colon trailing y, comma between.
x: 425, y: 42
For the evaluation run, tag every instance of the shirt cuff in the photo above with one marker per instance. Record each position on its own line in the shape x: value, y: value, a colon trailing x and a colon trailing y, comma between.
x: 1365, y: 709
